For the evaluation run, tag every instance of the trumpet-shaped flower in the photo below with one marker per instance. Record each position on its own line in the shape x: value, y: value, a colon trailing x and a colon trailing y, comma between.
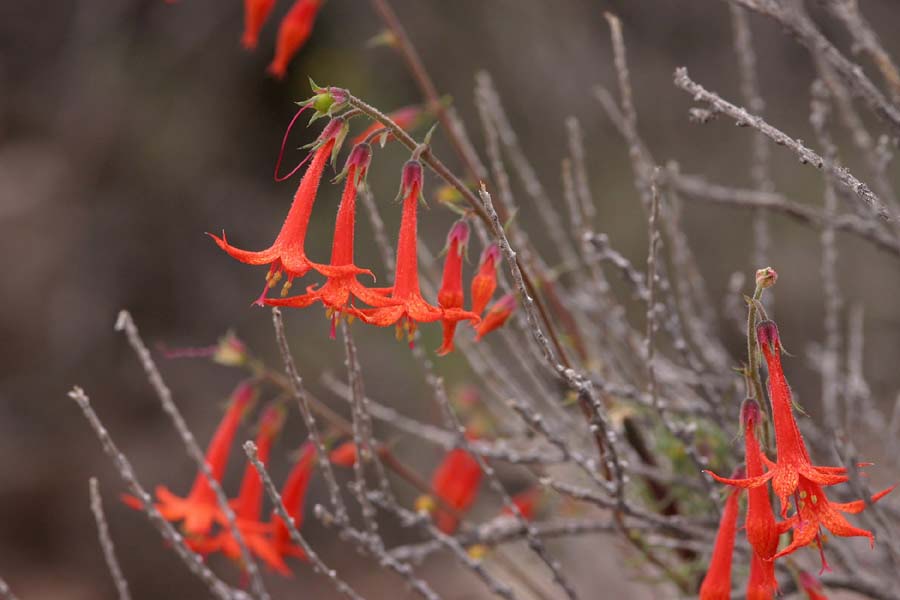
x: 342, y: 284
x: 200, y: 508
x: 450, y: 295
x: 293, y: 32
x: 793, y: 457
x: 255, y: 14
x: 485, y: 281
x: 761, y: 584
x: 717, y: 582
x: 793, y: 474
x: 293, y: 495
x: 344, y: 455
x: 287, y: 254
x: 248, y: 506
x: 497, y: 316
x: 409, y: 307
x: 455, y: 482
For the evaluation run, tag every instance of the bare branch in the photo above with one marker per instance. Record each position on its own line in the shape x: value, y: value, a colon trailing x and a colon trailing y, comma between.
x: 807, y: 156
x: 109, y: 549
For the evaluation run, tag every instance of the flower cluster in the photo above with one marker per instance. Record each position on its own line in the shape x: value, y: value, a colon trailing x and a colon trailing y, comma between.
x: 795, y: 481
x: 402, y: 304
x: 202, y: 519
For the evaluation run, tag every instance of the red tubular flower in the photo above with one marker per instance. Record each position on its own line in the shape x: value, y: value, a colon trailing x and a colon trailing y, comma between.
x: 498, y: 315
x: 761, y: 583
x: 293, y: 495
x: 455, y: 482
x: 793, y: 457
x: 405, y: 118
x: 450, y: 295
x: 287, y: 255
x: 812, y: 586
x: 793, y: 475
x: 527, y: 502
x: 293, y: 32
x: 342, y: 283
x: 815, y: 510
x: 410, y: 308
x: 485, y: 281
x: 248, y: 505
x: 200, y: 508
x: 717, y: 582
x: 344, y: 455
x: 255, y: 14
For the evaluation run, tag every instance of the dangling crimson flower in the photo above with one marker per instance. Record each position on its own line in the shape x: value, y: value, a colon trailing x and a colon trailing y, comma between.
x: 287, y: 255
x: 485, y: 281
x: 248, y: 506
x: 527, y: 502
x: 793, y: 474
x: 255, y: 14
x: 793, y: 457
x: 201, y: 508
x: 812, y: 586
x: 760, y: 584
x: 405, y: 118
x: 455, y: 482
x: 717, y: 582
x: 293, y: 32
x: 815, y: 510
x: 410, y: 308
x: 293, y: 495
x: 344, y: 455
x: 498, y: 315
x: 450, y: 295
x: 342, y: 283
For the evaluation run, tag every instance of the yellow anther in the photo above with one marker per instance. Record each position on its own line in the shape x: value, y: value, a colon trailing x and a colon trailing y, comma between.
x: 477, y: 552
x: 286, y: 287
x: 425, y: 504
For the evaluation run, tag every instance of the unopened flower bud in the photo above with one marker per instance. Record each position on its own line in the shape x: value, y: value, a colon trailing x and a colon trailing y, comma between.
x: 766, y: 278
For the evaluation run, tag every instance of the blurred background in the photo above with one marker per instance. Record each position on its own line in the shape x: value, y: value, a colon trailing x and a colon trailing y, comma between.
x: 130, y: 128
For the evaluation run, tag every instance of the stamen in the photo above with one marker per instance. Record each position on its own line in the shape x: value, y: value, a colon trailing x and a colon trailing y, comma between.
x: 284, y: 143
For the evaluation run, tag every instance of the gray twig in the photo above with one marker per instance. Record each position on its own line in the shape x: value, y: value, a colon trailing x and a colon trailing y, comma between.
x: 806, y: 155
x: 109, y: 549
x: 299, y: 390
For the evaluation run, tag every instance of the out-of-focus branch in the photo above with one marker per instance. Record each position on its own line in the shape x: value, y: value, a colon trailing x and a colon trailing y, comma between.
x: 698, y: 188
x: 806, y: 155
x: 806, y: 32
x: 106, y: 543
x: 5, y: 592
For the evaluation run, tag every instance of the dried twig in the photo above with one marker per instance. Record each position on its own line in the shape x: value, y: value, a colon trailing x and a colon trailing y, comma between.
x: 806, y: 155
x: 109, y: 549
